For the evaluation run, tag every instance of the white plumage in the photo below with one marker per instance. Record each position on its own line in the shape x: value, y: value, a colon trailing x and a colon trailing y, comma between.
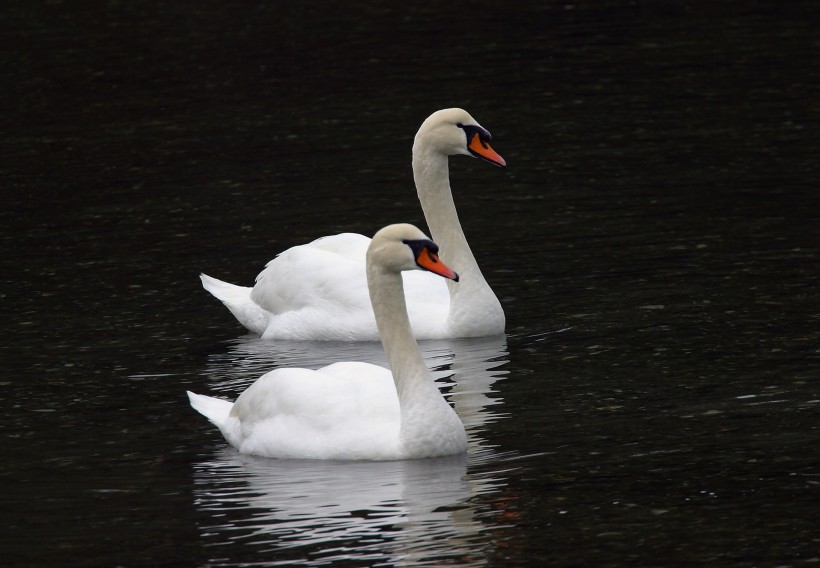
x: 317, y: 290
x: 353, y: 410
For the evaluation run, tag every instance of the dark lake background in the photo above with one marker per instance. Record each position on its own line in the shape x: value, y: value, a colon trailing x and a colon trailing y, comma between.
x: 654, y: 242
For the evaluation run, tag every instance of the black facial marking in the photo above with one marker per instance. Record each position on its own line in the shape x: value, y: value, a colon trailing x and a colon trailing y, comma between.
x: 418, y: 245
x: 471, y: 130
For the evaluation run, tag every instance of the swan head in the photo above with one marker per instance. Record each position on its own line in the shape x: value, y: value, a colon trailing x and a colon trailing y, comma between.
x: 400, y: 247
x: 453, y: 131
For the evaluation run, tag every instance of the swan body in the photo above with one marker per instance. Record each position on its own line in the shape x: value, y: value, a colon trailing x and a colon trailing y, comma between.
x: 317, y: 291
x: 353, y: 410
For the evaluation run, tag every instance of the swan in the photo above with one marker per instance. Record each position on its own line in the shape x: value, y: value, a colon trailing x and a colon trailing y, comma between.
x: 353, y: 410
x: 317, y: 291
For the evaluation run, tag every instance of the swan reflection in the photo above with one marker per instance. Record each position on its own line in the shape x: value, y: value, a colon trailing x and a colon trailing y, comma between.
x: 400, y: 512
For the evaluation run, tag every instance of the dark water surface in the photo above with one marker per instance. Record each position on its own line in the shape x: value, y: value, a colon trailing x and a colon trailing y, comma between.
x: 654, y: 243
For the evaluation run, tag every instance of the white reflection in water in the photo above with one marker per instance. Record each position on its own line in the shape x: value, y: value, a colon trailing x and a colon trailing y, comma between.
x: 313, y: 511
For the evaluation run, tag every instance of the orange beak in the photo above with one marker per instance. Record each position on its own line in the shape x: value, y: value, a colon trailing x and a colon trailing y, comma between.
x: 429, y: 260
x: 483, y: 150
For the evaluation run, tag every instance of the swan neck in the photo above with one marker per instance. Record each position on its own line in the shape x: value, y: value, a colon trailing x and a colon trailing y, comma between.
x: 432, y: 176
x: 472, y: 301
x: 403, y: 356
x: 428, y: 425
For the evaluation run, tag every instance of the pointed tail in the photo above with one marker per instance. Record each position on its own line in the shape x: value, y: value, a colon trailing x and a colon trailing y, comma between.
x: 225, y: 291
x: 214, y: 409
x: 238, y: 300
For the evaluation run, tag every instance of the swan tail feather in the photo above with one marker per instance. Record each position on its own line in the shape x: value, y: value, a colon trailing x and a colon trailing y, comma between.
x: 238, y: 300
x: 225, y: 291
x: 214, y: 409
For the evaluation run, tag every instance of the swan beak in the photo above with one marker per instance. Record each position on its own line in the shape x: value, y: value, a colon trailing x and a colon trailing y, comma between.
x: 428, y: 260
x: 481, y: 149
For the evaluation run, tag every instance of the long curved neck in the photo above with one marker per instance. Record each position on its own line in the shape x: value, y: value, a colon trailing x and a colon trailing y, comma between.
x: 432, y: 176
x: 428, y: 425
x: 413, y: 382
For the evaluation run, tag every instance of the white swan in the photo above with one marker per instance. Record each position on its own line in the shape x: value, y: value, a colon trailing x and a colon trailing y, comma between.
x: 353, y: 410
x: 317, y: 291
